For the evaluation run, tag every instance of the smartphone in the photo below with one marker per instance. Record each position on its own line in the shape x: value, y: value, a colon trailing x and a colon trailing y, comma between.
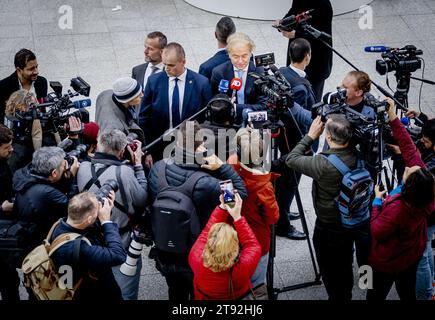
x: 227, y: 190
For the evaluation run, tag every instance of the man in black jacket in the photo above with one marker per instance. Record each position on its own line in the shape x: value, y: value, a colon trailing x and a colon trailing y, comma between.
x: 321, y: 63
x: 26, y: 76
x: 100, y: 247
x: 9, y: 281
x: 205, y: 198
x: 39, y: 200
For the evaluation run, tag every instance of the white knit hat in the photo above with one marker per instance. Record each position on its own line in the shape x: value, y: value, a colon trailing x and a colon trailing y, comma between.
x: 126, y: 89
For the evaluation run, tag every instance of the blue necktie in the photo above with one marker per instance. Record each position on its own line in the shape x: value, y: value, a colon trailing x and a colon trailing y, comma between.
x: 241, y: 92
x: 175, y: 105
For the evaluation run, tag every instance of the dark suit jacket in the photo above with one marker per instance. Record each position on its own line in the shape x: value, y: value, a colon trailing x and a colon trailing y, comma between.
x: 207, y: 67
x: 302, y: 91
x: 10, y: 84
x: 253, y: 98
x: 321, y: 59
x: 154, y: 108
x: 138, y: 73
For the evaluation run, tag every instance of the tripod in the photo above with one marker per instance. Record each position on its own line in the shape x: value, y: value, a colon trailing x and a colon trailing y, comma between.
x: 272, y: 291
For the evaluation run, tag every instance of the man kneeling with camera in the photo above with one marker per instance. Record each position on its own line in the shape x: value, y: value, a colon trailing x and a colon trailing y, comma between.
x: 91, y: 255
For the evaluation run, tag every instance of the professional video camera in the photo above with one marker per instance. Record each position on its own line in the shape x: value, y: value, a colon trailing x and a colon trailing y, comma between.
x: 57, y: 108
x: 402, y: 60
x: 275, y: 88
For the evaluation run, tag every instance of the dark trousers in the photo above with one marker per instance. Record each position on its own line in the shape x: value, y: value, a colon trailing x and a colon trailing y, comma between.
x: 284, y: 192
x: 9, y: 283
x: 405, y: 284
x: 334, y: 246
x: 180, y: 285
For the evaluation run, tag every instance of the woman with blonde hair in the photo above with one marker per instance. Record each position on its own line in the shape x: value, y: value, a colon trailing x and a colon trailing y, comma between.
x: 225, y: 255
x: 27, y: 132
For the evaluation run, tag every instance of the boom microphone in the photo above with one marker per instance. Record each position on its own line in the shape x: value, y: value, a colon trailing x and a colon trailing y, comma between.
x: 79, y: 104
x: 377, y: 49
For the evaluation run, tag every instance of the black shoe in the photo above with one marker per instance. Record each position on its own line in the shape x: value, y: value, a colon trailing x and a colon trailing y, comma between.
x: 292, y: 234
x: 293, y: 215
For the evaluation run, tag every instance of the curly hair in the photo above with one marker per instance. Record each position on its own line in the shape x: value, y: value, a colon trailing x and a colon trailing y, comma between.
x: 17, y: 99
x: 222, y: 247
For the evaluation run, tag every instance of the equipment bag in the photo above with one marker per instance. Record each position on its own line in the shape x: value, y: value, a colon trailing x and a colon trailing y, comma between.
x: 174, y: 219
x: 40, y: 273
x: 355, y: 192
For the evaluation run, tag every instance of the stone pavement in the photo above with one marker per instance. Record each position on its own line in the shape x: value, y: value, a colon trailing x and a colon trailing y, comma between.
x: 104, y: 45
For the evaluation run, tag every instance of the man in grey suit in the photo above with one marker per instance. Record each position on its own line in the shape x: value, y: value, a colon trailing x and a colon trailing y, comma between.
x: 154, y: 44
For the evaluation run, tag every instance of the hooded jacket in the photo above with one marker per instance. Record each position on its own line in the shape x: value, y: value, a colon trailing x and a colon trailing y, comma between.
x: 260, y: 209
x: 399, y: 230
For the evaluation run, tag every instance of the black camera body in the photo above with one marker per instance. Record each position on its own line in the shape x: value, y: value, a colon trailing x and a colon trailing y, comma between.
x: 105, y: 189
x: 402, y: 60
x: 79, y: 152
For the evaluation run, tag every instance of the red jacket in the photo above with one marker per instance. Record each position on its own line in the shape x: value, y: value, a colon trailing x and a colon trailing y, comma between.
x: 398, y: 230
x: 260, y: 208
x: 209, y: 285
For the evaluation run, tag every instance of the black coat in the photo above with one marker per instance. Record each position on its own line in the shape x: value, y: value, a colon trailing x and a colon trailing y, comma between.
x: 38, y: 202
x: 10, y: 84
x: 96, y: 260
x: 321, y: 60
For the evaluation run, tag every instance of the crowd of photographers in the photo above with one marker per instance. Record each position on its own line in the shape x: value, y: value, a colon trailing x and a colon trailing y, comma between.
x: 97, y: 179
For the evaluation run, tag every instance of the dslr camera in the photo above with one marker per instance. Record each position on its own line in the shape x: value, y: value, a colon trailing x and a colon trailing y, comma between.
x: 105, y: 189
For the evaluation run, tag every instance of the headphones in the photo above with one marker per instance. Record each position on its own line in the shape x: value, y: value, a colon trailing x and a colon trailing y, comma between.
x: 223, y: 98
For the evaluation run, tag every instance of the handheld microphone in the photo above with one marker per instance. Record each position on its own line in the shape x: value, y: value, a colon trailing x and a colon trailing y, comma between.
x: 223, y: 86
x: 235, y: 85
x: 79, y: 104
x: 377, y: 49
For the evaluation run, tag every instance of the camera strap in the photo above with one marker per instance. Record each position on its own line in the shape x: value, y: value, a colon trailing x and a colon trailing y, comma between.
x: 95, y: 180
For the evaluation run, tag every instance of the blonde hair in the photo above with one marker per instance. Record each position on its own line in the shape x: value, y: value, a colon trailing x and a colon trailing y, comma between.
x: 239, y: 38
x: 250, y: 145
x: 17, y: 99
x: 222, y: 247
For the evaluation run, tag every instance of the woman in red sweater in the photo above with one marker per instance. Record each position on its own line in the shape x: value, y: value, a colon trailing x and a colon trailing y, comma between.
x: 224, y: 257
x: 398, y: 223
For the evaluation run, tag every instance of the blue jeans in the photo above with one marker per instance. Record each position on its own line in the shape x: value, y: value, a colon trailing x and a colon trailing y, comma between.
x: 129, y: 285
x: 259, y: 275
x: 425, y: 270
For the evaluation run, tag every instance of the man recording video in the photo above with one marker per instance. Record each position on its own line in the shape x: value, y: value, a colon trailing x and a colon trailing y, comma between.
x: 321, y: 63
x: 333, y: 242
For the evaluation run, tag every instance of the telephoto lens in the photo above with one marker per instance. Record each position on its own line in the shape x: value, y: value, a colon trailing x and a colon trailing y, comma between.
x: 107, y: 186
x: 129, y: 267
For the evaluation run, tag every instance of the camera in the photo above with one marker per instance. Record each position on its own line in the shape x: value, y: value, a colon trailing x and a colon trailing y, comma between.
x: 79, y: 152
x: 333, y: 102
x: 264, y: 60
x: 105, y: 189
x: 402, y: 60
x: 132, y: 144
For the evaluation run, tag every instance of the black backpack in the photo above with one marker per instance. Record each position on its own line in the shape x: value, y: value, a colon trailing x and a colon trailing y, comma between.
x: 175, y: 223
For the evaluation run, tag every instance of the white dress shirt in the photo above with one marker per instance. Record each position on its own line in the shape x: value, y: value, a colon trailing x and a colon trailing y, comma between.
x: 181, y: 86
x: 149, y: 70
x: 300, y: 72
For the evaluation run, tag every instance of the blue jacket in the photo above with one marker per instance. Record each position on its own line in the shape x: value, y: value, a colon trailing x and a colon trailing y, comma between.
x: 207, y: 67
x: 154, y: 108
x: 302, y: 91
x: 96, y: 260
x: 253, y: 98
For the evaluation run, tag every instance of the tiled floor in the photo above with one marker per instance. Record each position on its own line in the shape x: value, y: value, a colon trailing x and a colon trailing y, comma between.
x: 105, y: 44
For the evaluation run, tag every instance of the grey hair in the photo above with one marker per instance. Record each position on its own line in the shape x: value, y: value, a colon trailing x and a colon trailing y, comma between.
x: 339, y: 128
x: 47, y: 159
x: 112, y: 141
